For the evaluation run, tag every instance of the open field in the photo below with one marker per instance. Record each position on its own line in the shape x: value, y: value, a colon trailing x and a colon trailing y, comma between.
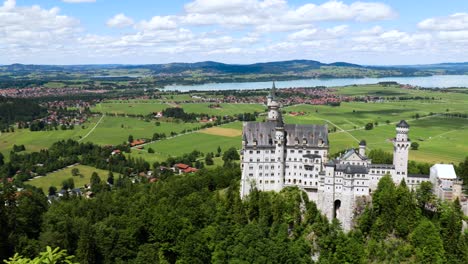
x: 56, y: 178
x: 221, y: 131
x: 115, y: 130
x: 200, y: 141
x: 226, y: 109
x: 145, y: 107
x: 140, y: 107
x: 441, y: 139
x: 35, y: 141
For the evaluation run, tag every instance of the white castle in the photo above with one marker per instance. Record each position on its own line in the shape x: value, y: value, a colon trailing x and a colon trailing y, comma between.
x: 276, y: 155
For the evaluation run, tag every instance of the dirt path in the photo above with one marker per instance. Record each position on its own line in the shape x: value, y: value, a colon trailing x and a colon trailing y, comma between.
x: 92, y: 130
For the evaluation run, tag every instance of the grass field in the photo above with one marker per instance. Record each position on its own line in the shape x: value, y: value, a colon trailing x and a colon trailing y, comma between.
x: 226, y: 109
x: 35, y: 141
x: 115, y: 130
x: 56, y: 178
x: 221, y: 131
x: 200, y: 141
x: 145, y: 107
x: 134, y: 107
x: 440, y: 139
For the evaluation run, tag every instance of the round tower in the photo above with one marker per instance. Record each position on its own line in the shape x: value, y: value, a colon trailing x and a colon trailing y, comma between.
x: 362, y: 148
x: 401, y: 145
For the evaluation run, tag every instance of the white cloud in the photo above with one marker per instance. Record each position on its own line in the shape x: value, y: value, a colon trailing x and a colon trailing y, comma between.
x: 158, y: 23
x: 339, y: 11
x: 277, y: 15
x: 120, y: 21
x: 457, y: 21
x: 26, y: 27
x: 78, y: 1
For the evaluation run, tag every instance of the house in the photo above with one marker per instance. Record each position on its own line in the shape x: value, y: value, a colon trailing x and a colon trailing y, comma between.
x: 181, y: 168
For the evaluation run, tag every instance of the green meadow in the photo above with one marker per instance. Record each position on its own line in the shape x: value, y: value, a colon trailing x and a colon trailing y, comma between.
x: 145, y: 107
x: 440, y: 139
x: 56, y: 178
x: 115, y: 130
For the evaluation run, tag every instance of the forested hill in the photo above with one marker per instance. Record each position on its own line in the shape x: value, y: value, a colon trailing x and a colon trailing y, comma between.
x: 200, y: 218
x: 292, y: 67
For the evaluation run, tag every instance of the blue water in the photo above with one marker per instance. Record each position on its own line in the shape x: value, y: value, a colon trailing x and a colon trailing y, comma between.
x: 436, y: 81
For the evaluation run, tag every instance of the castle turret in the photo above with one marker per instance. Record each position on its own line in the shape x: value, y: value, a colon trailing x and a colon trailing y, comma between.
x: 401, y: 146
x: 362, y: 148
x: 273, y: 106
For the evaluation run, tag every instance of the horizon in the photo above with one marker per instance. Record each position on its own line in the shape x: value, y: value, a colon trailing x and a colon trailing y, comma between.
x: 141, y: 32
x: 242, y: 64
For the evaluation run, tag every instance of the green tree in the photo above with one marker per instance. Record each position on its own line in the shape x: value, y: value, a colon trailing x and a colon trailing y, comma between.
x: 50, y: 256
x: 110, y: 178
x: 68, y: 184
x: 369, y: 126
x: 209, y: 159
x: 130, y: 139
x: 407, y: 211
x: 150, y: 150
x: 427, y: 243
x: 414, y: 145
x: 52, y: 190
x: 75, y: 172
x: 2, y: 159
x: 230, y: 155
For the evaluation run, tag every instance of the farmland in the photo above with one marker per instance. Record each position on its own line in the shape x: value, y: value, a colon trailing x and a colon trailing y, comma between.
x: 145, y: 107
x: 441, y: 139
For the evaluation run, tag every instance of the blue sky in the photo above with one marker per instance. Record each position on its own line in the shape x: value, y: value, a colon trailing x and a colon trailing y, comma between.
x: 235, y: 31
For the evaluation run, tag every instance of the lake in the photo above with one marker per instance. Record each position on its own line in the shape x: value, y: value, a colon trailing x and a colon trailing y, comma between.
x: 436, y: 81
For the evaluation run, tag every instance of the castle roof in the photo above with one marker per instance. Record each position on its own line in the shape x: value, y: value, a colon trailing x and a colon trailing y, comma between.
x: 350, y: 152
x: 403, y: 124
x: 263, y: 133
x: 352, y: 169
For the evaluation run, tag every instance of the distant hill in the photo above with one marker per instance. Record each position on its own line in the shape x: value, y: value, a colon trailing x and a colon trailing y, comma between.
x: 22, y: 75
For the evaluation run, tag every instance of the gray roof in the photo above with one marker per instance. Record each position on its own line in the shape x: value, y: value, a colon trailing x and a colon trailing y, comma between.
x: 382, y: 166
x: 403, y: 124
x: 351, y: 152
x: 264, y: 134
x: 352, y: 169
x: 418, y: 176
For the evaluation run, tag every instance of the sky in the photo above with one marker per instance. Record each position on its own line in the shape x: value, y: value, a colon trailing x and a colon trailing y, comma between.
x: 386, y: 32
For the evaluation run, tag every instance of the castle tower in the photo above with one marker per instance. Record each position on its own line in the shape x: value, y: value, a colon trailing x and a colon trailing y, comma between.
x: 273, y: 105
x: 401, y: 146
x: 279, y: 155
x: 362, y: 148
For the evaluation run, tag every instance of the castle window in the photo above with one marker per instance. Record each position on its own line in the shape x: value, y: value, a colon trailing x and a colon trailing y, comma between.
x: 291, y: 151
x: 251, y: 159
x: 250, y: 174
x: 251, y: 151
x: 258, y: 151
x: 260, y: 181
x: 316, y: 152
x: 300, y: 151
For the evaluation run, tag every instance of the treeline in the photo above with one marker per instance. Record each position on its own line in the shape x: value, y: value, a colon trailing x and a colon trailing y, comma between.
x: 200, y: 218
x: 179, y: 113
x: 18, y: 110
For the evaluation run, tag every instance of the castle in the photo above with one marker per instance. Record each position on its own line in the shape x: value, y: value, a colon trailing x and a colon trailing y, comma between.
x: 276, y: 155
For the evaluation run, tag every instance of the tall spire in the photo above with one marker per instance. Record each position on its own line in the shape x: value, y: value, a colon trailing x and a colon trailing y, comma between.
x: 272, y: 91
